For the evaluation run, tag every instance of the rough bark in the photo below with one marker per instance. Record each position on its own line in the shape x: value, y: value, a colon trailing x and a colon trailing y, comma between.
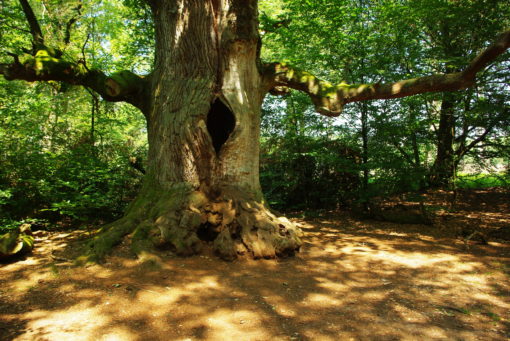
x: 202, y: 103
x: 44, y: 63
x: 47, y: 64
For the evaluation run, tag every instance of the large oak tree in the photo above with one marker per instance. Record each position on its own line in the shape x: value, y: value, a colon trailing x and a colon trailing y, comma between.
x: 202, y: 105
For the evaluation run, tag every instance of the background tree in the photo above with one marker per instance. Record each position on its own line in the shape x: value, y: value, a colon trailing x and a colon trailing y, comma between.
x: 402, y: 130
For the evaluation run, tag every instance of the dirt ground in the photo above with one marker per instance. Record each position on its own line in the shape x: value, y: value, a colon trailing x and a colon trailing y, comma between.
x: 353, y: 280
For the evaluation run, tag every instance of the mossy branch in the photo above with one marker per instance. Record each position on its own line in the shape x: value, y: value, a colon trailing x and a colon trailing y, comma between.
x: 330, y: 99
x: 48, y: 65
x: 43, y: 63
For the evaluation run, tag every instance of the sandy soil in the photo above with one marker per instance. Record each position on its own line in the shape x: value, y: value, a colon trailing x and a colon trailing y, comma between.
x: 352, y: 280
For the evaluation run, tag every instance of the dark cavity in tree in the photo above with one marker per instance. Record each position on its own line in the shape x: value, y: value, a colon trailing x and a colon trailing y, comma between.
x: 220, y: 123
x: 207, y: 232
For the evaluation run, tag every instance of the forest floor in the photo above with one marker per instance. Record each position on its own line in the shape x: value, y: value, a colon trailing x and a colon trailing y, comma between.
x: 353, y: 280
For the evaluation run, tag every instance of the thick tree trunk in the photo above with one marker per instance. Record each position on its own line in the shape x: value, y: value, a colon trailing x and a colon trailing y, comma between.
x: 202, y: 182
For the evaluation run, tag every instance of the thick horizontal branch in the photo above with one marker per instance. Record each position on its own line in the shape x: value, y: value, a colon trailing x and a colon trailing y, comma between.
x: 330, y: 99
x: 47, y: 65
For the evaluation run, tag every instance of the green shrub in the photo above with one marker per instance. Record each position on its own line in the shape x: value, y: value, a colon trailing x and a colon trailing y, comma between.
x: 483, y: 180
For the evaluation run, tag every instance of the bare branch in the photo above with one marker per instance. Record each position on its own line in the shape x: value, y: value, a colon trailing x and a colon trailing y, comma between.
x: 83, y: 55
x: 329, y: 99
x: 464, y: 149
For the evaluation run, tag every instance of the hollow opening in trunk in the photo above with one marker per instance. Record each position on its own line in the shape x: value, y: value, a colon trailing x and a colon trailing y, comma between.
x: 220, y: 124
x: 207, y: 233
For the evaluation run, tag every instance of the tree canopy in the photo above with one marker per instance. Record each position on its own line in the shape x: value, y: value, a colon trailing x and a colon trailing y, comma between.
x: 43, y: 62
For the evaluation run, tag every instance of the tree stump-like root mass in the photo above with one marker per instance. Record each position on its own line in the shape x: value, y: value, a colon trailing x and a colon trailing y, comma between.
x: 188, y: 221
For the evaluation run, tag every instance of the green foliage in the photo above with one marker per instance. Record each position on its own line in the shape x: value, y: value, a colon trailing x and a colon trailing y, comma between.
x: 7, y: 224
x: 308, y: 172
x: 384, y: 41
x: 483, y: 180
x: 304, y: 164
x: 51, y: 165
x: 65, y: 154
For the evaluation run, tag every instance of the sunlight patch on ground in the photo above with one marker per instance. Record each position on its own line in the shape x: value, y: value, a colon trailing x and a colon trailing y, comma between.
x: 413, y: 259
x: 322, y: 300
x: 334, y: 286
x: 78, y: 322
x: 224, y: 324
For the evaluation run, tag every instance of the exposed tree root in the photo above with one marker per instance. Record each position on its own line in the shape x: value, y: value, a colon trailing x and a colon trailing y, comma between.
x: 189, y: 221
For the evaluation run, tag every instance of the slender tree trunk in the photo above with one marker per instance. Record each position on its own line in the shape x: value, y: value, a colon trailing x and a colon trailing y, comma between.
x: 417, y: 163
x: 202, y: 182
x: 443, y: 170
x: 364, y: 138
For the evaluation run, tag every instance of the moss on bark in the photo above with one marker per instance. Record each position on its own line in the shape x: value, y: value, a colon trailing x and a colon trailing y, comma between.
x: 188, y: 222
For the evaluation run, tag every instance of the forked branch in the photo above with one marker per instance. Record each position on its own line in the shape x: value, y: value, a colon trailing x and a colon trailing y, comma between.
x: 330, y: 99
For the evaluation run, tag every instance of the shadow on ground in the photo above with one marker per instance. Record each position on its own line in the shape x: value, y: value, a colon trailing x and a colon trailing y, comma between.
x: 351, y: 280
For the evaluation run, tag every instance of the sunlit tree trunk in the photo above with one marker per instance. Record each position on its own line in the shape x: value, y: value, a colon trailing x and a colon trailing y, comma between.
x: 202, y: 182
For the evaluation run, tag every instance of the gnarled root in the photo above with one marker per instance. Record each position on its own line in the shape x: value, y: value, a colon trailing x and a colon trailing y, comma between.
x: 249, y: 227
x: 188, y: 221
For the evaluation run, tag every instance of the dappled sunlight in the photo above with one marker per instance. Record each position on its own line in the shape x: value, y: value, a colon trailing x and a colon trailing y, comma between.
x: 78, y: 322
x: 350, y: 280
x: 321, y: 300
x: 413, y: 259
x: 229, y: 324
